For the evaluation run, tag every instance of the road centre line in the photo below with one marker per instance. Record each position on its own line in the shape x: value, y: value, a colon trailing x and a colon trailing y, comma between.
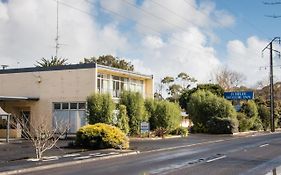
x: 218, y: 158
x: 263, y: 145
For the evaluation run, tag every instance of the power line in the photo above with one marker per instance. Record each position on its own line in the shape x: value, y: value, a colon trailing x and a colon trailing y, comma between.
x: 246, y: 21
x: 231, y: 31
x: 272, y: 3
x: 155, y: 16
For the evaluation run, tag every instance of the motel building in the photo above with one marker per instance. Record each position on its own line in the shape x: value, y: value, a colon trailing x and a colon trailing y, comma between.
x: 45, y: 93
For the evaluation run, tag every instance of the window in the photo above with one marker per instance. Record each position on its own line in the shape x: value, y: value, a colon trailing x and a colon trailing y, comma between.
x: 70, y: 113
x: 115, y: 84
x: 57, y: 106
x: 82, y: 105
x: 73, y: 105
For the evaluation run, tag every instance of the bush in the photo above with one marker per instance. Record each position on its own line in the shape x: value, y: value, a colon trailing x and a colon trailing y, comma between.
x: 101, y: 135
x: 135, y: 110
x: 163, y: 114
x: 264, y: 115
x: 222, y: 126
x: 167, y: 115
x: 244, y: 123
x: 250, y: 120
x: 100, y: 108
x: 150, y: 107
x: 208, y: 111
x: 123, y: 120
x: 180, y: 131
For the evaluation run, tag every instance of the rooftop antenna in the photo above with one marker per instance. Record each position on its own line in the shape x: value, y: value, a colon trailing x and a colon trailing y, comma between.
x: 57, y: 36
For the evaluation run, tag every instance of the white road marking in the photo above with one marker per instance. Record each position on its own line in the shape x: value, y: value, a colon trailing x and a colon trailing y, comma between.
x: 70, y: 155
x: 46, y: 159
x: 218, y: 158
x: 264, y: 145
x: 82, y: 157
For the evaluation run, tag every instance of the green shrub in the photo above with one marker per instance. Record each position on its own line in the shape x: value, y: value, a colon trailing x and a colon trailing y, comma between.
x: 150, y: 107
x: 163, y: 114
x: 251, y: 119
x: 244, y: 123
x: 250, y: 109
x: 167, y: 115
x: 100, y: 108
x: 101, y: 135
x: 186, y: 94
x: 208, y: 110
x: 222, y: 126
x: 135, y: 110
x: 180, y: 131
x: 264, y: 114
x: 123, y: 120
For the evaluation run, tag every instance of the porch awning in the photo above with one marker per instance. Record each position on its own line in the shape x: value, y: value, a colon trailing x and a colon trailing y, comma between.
x: 2, y: 112
x: 13, y: 98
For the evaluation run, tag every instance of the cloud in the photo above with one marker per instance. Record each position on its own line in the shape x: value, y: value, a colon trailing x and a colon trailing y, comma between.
x: 30, y: 31
x: 247, y: 59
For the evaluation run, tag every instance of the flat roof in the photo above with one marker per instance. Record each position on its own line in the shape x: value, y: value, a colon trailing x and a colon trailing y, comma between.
x: 69, y: 67
x: 99, y: 66
x: 6, y: 98
x: 51, y: 68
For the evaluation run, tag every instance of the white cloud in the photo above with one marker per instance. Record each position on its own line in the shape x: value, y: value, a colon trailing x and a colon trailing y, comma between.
x: 30, y: 30
x: 247, y: 59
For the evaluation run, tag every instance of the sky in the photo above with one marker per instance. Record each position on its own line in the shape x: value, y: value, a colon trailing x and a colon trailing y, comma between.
x: 160, y: 37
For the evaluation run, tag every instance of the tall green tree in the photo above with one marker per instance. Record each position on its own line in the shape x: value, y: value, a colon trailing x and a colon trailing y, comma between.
x: 186, y: 94
x: 109, y: 60
x: 123, y: 119
x: 211, y: 113
x: 100, y: 108
x: 134, y: 103
x: 54, y: 61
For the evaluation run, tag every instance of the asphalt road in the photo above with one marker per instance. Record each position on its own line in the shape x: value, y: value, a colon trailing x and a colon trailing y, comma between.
x: 252, y: 155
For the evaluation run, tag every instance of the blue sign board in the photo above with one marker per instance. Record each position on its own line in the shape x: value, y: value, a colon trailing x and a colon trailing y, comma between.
x: 245, y: 95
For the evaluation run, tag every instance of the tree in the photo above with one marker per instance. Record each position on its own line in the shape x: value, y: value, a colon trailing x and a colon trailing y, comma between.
x: 167, y: 115
x: 54, y: 61
x: 174, y: 91
x: 186, y: 94
x: 100, y: 108
x: 186, y: 80
x: 134, y: 103
x: 163, y: 114
x: 42, y: 136
x: 228, y: 79
x: 123, y: 120
x: 209, y: 111
x: 109, y: 60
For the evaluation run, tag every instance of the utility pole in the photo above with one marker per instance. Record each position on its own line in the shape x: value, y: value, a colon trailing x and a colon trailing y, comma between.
x: 270, y: 47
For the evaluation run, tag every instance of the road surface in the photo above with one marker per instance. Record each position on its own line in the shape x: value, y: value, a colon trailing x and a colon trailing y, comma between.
x: 252, y: 155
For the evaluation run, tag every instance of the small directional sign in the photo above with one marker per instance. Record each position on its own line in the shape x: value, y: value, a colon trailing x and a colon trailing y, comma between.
x: 144, y: 127
x: 245, y: 95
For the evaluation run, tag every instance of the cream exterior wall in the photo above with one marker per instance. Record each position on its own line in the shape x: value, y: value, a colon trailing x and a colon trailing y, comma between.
x: 49, y: 86
x: 72, y: 85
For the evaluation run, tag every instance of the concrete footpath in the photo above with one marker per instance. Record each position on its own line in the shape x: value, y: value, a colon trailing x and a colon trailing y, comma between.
x: 18, y: 155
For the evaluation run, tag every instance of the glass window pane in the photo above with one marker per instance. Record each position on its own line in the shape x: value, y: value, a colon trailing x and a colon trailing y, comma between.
x: 82, y: 105
x: 65, y: 105
x: 57, y: 106
x: 73, y: 105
